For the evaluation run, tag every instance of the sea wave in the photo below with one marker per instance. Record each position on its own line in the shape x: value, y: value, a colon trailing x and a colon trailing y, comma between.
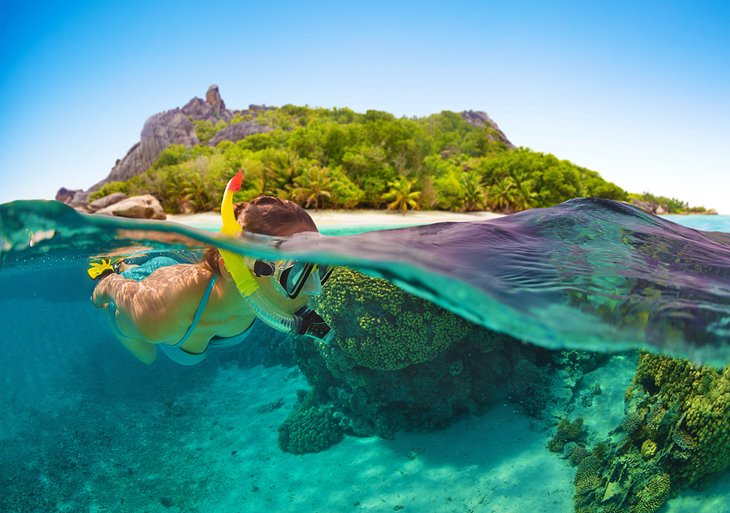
x: 587, y: 274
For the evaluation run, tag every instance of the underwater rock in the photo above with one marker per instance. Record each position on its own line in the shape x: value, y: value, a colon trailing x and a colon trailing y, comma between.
x: 424, y: 396
x: 529, y: 387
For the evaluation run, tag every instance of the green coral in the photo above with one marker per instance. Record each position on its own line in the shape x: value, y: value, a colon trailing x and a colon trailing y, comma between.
x: 633, y: 422
x: 309, y: 429
x: 653, y: 494
x: 677, y: 436
x: 382, y: 327
x: 587, y: 477
x: 697, y: 401
x: 567, y: 432
x: 648, y: 449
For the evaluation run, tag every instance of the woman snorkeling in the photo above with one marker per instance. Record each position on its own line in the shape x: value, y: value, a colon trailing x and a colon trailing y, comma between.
x: 185, y: 309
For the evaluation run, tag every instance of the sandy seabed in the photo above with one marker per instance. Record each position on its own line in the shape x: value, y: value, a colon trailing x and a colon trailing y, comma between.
x: 230, y: 461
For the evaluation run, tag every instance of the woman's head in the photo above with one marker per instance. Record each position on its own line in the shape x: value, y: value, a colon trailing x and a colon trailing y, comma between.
x: 266, y: 215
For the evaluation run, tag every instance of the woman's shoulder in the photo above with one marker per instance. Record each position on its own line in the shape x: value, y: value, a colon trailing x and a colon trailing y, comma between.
x: 180, y: 277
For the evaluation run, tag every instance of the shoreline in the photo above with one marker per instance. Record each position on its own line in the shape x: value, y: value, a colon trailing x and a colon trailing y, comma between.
x: 354, y: 218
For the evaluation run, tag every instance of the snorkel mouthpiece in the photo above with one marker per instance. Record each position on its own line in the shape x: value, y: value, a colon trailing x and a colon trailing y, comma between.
x: 312, y: 325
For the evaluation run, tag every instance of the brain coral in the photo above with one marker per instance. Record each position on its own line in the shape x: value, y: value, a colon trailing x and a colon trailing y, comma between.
x: 382, y: 327
x: 309, y: 429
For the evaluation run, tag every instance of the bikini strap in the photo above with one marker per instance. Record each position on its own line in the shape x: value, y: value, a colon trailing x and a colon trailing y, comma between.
x: 198, y: 312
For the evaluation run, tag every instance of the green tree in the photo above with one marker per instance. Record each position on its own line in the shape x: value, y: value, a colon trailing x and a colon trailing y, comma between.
x: 475, y: 194
x: 401, y: 195
x: 313, y: 187
x: 524, y: 196
x: 501, y: 195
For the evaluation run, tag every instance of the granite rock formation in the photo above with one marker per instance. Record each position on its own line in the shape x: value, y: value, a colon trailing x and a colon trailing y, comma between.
x: 238, y: 131
x: 480, y: 119
x: 174, y: 126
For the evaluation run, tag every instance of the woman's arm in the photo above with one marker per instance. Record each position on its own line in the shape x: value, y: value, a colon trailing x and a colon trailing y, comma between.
x: 156, y: 309
x: 122, y: 292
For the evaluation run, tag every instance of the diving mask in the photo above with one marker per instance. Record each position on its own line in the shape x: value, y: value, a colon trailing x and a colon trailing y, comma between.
x: 294, y: 277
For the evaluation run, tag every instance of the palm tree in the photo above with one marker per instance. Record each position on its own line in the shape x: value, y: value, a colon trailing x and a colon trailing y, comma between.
x: 312, y: 187
x: 502, y: 195
x: 525, y: 197
x: 283, y: 165
x: 474, y: 192
x: 401, y: 195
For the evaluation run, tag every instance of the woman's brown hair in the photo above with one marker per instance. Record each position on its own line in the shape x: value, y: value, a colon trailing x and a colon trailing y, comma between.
x: 266, y: 215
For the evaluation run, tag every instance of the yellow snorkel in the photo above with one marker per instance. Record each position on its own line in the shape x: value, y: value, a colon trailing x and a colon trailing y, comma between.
x: 242, y: 277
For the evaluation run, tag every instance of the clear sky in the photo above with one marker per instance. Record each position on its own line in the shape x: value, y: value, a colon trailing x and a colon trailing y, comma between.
x: 637, y: 90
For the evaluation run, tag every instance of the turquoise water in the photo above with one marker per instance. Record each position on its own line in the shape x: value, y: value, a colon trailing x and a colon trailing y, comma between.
x: 560, y: 300
x: 705, y: 223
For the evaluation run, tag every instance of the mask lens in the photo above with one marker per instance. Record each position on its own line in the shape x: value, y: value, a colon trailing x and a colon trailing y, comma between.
x: 324, y: 273
x: 295, y: 277
x: 261, y: 268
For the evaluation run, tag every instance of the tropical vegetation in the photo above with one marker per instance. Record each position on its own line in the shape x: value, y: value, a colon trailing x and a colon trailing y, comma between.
x: 337, y: 158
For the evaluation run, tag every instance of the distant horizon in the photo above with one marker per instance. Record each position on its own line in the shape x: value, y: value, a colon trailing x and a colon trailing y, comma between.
x: 634, y: 91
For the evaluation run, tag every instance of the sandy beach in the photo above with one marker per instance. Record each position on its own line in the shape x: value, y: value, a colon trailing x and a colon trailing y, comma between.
x: 326, y: 219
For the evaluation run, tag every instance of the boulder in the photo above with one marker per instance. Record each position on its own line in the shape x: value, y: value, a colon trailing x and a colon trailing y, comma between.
x: 171, y: 127
x: 238, y: 131
x: 107, y: 200
x: 76, y: 198
x: 139, y: 207
x: 65, y: 195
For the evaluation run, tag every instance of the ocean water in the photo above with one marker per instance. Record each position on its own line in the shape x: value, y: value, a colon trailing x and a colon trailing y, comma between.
x: 558, y: 303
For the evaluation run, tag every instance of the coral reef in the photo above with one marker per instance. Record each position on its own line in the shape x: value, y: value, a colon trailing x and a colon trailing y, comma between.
x: 400, y: 363
x: 691, y: 416
x: 567, y: 432
x: 424, y: 396
x: 676, y: 434
x: 382, y: 327
x: 653, y: 494
x: 309, y: 429
x: 587, y: 476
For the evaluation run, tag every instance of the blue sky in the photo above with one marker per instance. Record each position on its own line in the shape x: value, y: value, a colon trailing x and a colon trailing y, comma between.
x: 637, y: 90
